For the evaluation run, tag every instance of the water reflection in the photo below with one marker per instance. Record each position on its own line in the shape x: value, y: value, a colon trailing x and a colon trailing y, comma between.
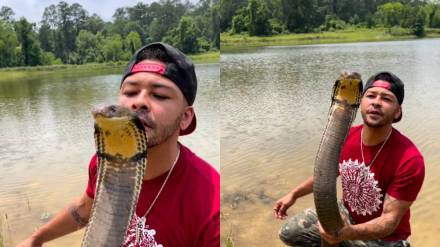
x: 274, y: 107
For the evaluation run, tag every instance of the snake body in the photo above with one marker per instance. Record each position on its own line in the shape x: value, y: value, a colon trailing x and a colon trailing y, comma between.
x: 346, y: 96
x: 122, y: 158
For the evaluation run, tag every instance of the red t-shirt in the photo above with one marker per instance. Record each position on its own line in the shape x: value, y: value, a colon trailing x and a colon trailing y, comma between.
x: 187, y: 212
x: 398, y: 171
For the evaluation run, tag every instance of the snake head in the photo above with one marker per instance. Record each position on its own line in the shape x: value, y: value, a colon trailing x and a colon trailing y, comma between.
x: 348, y: 88
x: 119, y: 130
x: 112, y: 111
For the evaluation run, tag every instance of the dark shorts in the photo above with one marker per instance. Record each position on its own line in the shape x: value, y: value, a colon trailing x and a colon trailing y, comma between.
x: 302, y: 230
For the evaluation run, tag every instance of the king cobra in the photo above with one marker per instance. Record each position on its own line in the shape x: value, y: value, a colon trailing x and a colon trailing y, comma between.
x: 122, y: 158
x: 346, y: 96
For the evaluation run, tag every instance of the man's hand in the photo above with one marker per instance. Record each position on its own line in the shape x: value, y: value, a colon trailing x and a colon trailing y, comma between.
x: 340, y: 236
x: 281, y: 206
x: 30, y: 242
x: 70, y: 219
x: 288, y: 200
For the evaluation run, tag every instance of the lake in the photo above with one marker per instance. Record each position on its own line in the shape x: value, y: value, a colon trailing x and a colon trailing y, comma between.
x: 46, y: 133
x: 274, y: 107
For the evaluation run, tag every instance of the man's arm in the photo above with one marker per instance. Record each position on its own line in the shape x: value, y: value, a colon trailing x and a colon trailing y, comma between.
x: 288, y: 200
x: 393, y: 211
x: 72, y: 218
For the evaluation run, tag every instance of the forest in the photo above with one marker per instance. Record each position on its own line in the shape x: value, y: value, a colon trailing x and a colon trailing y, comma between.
x: 69, y: 34
x: 270, y: 17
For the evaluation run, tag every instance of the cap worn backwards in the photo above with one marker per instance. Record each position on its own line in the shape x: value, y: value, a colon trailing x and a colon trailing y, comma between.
x: 179, y: 70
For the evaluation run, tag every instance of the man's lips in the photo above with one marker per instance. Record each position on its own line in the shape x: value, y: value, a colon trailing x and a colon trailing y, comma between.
x: 375, y: 113
x: 145, y: 121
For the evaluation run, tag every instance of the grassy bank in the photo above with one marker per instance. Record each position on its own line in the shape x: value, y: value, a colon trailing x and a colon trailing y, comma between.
x: 230, y: 43
x: 15, y: 73
x: 207, y: 57
x: 90, y: 68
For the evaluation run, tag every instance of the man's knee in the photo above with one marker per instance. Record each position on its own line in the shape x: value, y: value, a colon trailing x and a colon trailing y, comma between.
x: 301, y: 230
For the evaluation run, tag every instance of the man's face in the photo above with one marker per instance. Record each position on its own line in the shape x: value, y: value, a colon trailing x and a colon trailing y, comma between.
x: 379, y: 107
x: 159, y: 103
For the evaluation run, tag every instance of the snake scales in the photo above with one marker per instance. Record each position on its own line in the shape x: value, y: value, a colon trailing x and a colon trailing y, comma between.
x: 346, y: 96
x: 122, y: 158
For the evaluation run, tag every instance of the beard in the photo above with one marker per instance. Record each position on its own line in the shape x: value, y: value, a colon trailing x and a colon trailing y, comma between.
x: 384, y: 120
x: 159, y: 133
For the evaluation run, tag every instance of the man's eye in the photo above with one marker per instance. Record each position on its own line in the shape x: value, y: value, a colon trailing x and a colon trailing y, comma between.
x: 160, y: 97
x: 129, y: 93
x: 370, y: 96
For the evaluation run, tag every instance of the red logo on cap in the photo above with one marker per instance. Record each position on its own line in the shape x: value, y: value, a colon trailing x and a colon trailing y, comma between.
x: 382, y: 84
x: 149, y: 67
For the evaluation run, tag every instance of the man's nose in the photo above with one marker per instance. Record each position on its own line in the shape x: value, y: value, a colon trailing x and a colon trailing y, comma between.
x: 141, y: 102
x: 377, y: 101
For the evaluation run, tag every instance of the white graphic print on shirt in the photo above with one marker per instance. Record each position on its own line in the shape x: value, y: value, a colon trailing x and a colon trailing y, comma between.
x: 359, y: 188
x: 146, y: 238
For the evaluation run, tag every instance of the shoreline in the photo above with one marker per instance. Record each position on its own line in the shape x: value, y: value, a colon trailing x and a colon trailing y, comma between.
x: 240, y: 42
x: 89, y: 68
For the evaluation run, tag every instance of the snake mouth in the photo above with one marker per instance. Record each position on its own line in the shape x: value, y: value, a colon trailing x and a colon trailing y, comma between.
x: 111, y: 111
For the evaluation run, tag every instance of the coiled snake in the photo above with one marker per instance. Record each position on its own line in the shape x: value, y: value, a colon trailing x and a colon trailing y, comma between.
x: 346, y: 96
x: 122, y: 158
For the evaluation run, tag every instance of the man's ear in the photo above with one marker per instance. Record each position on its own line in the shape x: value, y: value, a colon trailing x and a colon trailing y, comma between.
x: 187, y: 117
x: 398, y: 113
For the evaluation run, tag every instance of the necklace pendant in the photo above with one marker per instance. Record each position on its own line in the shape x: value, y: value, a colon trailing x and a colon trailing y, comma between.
x: 140, y: 225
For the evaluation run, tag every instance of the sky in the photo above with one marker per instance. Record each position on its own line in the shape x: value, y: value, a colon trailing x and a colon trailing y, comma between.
x: 33, y: 9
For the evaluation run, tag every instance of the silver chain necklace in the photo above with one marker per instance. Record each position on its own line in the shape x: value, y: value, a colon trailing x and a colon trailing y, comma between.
x: 140, y: 222
x: 380, y: 149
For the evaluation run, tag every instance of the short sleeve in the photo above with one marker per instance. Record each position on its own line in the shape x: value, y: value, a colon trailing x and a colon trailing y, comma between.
x: 91, y: 184
x: 408, y: 180
x: 209, y: 197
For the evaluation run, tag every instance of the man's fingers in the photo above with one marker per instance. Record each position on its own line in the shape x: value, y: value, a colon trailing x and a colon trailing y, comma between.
x: 282, y: 209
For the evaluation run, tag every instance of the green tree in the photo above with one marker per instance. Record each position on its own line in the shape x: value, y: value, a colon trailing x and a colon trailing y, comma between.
x: 133, y: 41
x: 258, y: 18
x: 47, y: 37
x: 87, y: 49
x: 391, y: 14
x: 66, y: 21
x: 240, y: 21
x: 112, y: 48
x: 435, y: 21
x: 206, y: 16
x: 228, y: 9
x: 167, y: 14
x: 184, y: 36
x: 94, y: 24
x: 419, y: 26
x: 6, y: 14
x: 49, y: 58
x: 30, y: 47
x: 215, y: 21
x: 299, y: 16
x: 332, y: 23
x: 8, y: 43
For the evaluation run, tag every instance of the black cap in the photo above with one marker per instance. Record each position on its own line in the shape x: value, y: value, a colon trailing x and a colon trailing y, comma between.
x: 388, y: 81
x: 179, y: 69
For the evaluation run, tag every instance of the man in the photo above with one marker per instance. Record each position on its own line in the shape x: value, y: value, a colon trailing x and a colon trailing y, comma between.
x: 179, y: 202
x: 381, y: 172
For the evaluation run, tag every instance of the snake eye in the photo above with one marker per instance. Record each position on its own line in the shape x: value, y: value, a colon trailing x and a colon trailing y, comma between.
x: 112, y: 109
